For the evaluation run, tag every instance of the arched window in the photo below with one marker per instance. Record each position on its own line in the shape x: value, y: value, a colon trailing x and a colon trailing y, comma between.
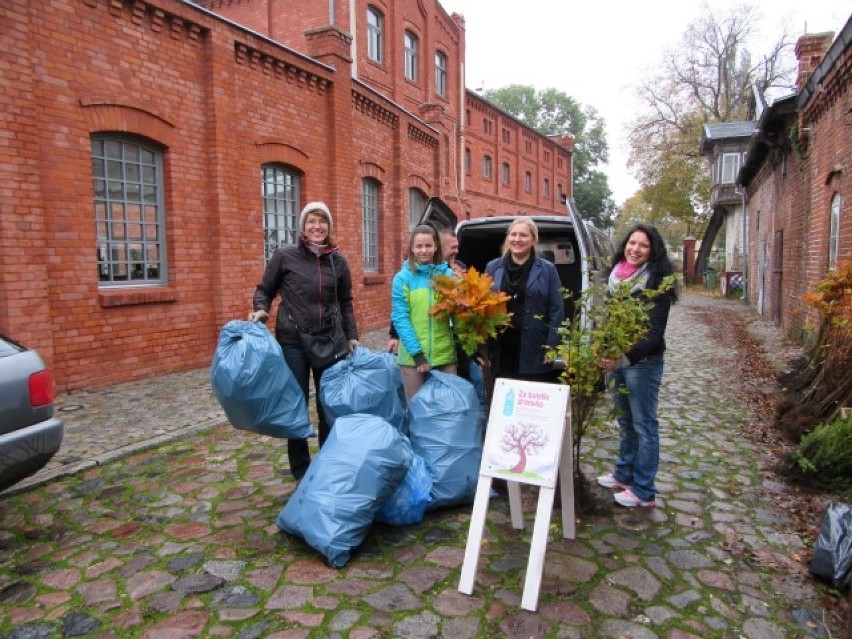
x: 416, y: 206
x: 370, y: 219
x: 834, y: 231
x: 412, y: 56
x: 280, y: 192
x: 375, y: 34
x: 440, y: 73
x: 129, y: 213
x: 486, y: 167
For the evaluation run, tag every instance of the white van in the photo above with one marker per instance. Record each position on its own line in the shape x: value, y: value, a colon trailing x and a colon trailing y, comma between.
x: 578, y: 249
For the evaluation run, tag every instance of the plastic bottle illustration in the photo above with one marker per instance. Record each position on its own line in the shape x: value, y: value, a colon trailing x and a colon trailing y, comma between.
x: 509, y: 406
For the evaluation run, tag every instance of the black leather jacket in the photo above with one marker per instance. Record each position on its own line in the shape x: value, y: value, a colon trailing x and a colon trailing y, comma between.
x: 306, y: 283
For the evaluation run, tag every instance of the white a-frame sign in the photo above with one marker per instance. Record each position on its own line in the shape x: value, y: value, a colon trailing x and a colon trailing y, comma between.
x: 528, y: 441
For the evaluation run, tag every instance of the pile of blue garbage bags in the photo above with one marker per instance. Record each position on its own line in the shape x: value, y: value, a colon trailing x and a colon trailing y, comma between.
x: 382, y: 462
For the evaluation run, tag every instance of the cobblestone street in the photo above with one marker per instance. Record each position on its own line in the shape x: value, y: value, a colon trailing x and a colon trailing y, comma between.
x: 157, y: 520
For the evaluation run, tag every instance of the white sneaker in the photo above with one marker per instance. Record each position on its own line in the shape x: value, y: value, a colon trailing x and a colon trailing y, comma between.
x: 627, y: 499
x: 609, y: 481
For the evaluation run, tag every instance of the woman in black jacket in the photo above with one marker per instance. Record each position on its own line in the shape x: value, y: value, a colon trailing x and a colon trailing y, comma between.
x: 536, y: 304
x: 315, y: 286
x: 641, y: 262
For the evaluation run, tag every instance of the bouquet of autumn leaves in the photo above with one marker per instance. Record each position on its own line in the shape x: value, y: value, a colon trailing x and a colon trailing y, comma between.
x: 477, y: 313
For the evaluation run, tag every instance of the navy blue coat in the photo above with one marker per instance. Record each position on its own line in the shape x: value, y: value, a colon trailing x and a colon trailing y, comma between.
x: 544, y: 311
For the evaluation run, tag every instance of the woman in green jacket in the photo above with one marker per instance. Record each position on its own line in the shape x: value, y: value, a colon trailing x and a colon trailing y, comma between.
x: 425, y: 342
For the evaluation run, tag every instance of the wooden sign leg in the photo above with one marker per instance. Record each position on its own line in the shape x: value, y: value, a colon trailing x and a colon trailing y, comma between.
x: 474, y: 535
x: 516, y: 511
x: 566, y: 481
x: 538, y: 549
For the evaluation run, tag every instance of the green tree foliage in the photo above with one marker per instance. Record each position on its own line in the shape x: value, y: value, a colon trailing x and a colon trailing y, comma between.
x: 708, y: 78
x: 611, y: 327
x: 553, y: 112
x: 825, y: 455
x: 642, y: 207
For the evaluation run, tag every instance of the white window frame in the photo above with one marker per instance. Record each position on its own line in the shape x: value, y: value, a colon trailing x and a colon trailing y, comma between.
x: 128, y: 211
x: 412, y: 45
x: 440, y: 73
x: 370, y: 218
x: 375, y: 34
x: 528, y: 182
x: 834, y: 231
x: 729, y: 165
x: 505, y: 173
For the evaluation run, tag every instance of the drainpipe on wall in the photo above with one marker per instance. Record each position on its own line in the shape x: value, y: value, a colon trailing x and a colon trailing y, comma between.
x: 353, y: 30
x: 741, y: 193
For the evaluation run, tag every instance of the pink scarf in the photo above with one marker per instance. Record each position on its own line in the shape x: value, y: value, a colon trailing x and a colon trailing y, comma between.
x: 625, y: 271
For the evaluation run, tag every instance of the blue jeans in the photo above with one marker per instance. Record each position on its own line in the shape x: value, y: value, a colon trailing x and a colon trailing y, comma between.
x: 297, y: 449
x: 635, y: 390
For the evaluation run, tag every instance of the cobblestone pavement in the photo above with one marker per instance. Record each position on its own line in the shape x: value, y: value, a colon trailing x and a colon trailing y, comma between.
x: 157, y: 521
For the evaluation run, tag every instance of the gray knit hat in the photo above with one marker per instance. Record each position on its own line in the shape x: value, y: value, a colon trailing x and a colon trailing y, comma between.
x: 316, y: 207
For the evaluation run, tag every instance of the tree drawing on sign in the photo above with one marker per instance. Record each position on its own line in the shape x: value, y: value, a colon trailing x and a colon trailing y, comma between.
x: 526, y: 438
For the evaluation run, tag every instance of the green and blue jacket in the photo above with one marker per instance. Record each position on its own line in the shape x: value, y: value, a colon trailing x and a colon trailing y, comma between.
x: 412, y: 295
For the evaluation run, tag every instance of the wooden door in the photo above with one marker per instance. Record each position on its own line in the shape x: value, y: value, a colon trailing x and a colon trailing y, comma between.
x: 777, y: 272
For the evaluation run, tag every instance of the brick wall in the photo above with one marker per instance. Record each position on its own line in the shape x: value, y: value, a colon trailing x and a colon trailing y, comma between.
x: 490, y: 133
x: 776, y: 212
x: 793, y: 191
x: 826, y: 126
x: 219, y: 101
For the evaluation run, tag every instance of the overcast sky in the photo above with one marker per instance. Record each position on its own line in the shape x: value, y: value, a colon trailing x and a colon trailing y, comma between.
x: 597, y: 50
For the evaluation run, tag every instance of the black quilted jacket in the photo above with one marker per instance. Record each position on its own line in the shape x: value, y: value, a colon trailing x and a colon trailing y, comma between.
x: 305, y: 281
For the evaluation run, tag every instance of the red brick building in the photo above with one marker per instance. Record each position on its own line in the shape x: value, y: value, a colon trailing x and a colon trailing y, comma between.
x: 798, y: 179
x: 155, y: 151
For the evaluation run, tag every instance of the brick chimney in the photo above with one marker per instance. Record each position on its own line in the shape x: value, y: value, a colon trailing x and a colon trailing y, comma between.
x: 565, y: 141
x: 810, y: 50
x: 331, y: 46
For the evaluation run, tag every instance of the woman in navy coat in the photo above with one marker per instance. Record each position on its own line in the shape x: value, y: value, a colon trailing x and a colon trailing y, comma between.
x: 536, y: 304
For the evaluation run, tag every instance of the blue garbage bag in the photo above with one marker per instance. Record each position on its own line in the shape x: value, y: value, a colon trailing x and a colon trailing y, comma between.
x: 390, y: 361
x: 361, y: 383
x: 445, y: 428
x: 254, y: 385
x: 477, y: 378
x: 361, y: 464
x: 408, y: 503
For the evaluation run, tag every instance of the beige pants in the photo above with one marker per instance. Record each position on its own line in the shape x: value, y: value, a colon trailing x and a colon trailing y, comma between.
x: 412, y: 379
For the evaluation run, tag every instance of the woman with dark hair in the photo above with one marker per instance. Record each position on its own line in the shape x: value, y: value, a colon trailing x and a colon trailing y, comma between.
x: 641, y: 262
x: 425, y: 342
x: 312, y: 278
x: 536, y: 304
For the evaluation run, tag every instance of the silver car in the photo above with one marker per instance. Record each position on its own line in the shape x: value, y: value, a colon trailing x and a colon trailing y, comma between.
x: 29, y: 433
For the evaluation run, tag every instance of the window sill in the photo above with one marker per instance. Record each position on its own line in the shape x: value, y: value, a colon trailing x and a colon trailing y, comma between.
x: 109, y: 298
x: 374, y: 279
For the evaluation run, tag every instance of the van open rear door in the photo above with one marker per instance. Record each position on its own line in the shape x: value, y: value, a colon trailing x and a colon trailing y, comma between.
x: 439, y: 215
x: 585, y: 244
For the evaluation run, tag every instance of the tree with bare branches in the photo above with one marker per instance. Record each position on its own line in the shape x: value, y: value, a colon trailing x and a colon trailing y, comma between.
x: 709, y: 78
